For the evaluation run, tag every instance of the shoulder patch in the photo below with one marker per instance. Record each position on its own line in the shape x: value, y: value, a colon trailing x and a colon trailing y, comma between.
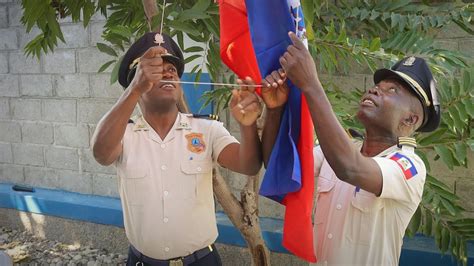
x: 407, y: 166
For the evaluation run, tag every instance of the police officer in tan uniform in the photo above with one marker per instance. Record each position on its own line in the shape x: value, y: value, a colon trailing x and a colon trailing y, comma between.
x: 164, y: 159
x: 367, y: 191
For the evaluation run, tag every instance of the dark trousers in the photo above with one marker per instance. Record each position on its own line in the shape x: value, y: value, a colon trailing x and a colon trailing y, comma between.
x: 211, y: 259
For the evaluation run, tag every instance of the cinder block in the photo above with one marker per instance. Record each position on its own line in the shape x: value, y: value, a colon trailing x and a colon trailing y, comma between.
x: 41, y: 177
x: 61, y: 61
x: 59, y: 110
x: 26, y: 37
x: 11, y: 173
x: 72, y: 85
x: 26, y: 109
x: 105, y: 185
x: 28, y: 154
x: 72, y: 136
x: 3, y: 63
x: 466, y: 46
x: 89, y: 164
x: 9, y: 86
x: 451, y: 31
x: 91, y: 59
x: 9, y: 39
x: 101, y: 87
x: 14, y: 14
x: 75, y: 181
x: 98, y: 17
x: 92, y: 111
x: 75, y: 36
x: 4, y: 109
x: 447, y: 44
x: 96, y: 32
x: 6, y: 155
x: 464, y: 188
x: 20, y: 64
x: 62, y: 158
x: 38, y: 133
x: 10, y: 131
x: 345, y: 83
x: 3, y: 17
x: 36, y: 85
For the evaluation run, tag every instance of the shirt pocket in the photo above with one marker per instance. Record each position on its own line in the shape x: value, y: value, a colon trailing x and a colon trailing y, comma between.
x: 323, y: 198
x: 196, y: 173
x: 136, y: 188
x: 324, y: 189
x: 366, y: 211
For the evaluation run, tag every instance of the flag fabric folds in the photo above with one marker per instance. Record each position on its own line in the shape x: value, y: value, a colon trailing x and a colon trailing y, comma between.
x: 254, y: 34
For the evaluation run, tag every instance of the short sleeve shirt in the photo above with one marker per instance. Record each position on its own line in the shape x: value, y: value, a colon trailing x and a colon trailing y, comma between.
x: 353, y: 226
x: 165, y: 185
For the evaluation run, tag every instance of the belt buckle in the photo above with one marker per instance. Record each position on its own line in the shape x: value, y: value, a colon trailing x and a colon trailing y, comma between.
x: 176, y: 262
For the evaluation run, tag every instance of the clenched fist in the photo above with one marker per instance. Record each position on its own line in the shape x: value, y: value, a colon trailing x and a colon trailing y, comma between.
x: 149, y: 70
x: 245, y: 105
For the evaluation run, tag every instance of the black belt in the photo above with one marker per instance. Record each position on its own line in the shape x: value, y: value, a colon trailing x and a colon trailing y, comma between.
x: 197, y: 255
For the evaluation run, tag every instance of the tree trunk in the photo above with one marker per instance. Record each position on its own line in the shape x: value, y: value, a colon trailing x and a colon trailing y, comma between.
x: 244, y: 215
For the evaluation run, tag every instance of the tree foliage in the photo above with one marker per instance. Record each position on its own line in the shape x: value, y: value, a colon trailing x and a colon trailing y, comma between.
x: 342, y: 35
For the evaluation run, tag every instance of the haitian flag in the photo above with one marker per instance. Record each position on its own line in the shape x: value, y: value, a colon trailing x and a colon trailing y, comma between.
x: 407, y: 166
x: 254, y: 34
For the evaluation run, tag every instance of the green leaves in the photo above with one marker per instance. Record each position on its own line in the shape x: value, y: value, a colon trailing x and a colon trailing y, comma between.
x: 343, y: 36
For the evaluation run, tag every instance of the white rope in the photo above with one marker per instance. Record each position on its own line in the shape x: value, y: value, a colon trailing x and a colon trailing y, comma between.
x: 213, y: 83
x: 162, y: 18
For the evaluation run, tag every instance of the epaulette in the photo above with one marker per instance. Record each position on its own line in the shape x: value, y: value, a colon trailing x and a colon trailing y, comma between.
x: 207, y: 116
x: 408, y: 141
x: 355, y: 134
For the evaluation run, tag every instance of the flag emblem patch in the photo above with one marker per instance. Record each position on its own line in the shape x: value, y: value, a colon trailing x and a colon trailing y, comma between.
x: 407, y: 166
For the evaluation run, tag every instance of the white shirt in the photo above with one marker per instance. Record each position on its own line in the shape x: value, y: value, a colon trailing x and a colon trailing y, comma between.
x: 166, y: 185
x: 358, y: 228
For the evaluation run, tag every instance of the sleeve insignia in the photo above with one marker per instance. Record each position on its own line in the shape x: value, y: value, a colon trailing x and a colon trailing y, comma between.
x: 407, y: 166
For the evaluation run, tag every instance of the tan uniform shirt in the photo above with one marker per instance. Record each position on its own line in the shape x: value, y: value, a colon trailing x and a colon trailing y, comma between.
x: 358, y: 228
x: 166, y: 185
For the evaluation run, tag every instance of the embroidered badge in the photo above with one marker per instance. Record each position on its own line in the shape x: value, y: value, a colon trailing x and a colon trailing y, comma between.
x: 196, y: 142
x: 159, y: 39
x: 409, y: 61
x: 407, y: 166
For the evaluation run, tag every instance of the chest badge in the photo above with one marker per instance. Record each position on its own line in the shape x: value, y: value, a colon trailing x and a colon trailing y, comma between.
x: 196, y: 142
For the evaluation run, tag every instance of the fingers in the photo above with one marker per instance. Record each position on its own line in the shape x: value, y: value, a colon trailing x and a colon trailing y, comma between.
x: 284, y: 61
x: 154, y: 52
x: 235, y: 98
x: 274, y: 79
x: 296, y: 41
x: 246, y: 84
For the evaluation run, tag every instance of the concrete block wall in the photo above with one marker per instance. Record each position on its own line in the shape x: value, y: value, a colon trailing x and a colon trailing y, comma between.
x: 49, y: 109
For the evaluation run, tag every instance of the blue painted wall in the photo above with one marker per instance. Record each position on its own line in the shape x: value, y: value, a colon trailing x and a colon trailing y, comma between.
x: 419, y: 250
x: 193, y: 93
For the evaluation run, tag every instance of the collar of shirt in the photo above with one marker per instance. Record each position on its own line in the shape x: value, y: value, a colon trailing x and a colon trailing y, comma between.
x: 182, y: 122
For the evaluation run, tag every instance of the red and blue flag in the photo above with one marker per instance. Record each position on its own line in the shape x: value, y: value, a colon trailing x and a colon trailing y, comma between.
x: 254, y: 34
x: 407, y: 166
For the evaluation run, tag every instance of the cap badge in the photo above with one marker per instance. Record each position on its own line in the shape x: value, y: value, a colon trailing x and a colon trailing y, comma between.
x: 409, y: 61
x: 159, y: 39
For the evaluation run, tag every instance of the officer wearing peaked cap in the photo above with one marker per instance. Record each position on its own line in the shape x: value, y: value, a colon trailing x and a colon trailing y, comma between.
x: 367, y: 191
x: 164, y: 159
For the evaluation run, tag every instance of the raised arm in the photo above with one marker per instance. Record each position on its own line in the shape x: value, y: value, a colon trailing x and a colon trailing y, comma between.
x: 106, y: 141
x: 345, y: 159
x: 246, y: 157
x: 274, y: 95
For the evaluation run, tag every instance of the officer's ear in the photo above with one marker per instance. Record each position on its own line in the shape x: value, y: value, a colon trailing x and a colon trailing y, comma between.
x: 412, y: 120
